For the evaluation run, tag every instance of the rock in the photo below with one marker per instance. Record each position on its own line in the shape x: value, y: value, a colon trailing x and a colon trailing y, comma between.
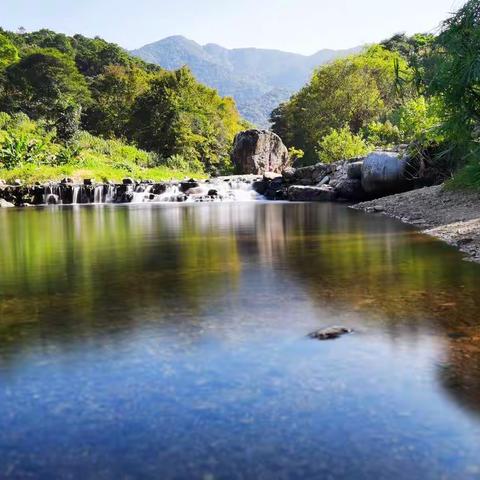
x: 87, y: 182
x: 259, y: 151
x: 5, y: 204
x: 350, y: 189
x: 66, y: 181
x: 384, y: 173
x: 354, y: 170
x: 320, y: 171
x: 213, y: 193
x: 17, y: 182
x: 298, y: 193
x: 324, y: 181
x: 288, y: 173
x: 2, y: 182
x: 188, y: 185
x: 330, y: 333
x: 195, y: 191
x: 378, y: 208
x: 128, y: 181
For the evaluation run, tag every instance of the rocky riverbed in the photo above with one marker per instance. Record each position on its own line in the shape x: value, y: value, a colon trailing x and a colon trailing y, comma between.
x: 452, y: 216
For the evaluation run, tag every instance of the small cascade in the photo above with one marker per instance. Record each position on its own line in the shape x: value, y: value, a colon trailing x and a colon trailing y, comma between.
x: 221, y: 189
x: 52, y: 195
x: 141, y: 193
x: 98, y: 194
x: 77, y: 190
x: 111, y: 194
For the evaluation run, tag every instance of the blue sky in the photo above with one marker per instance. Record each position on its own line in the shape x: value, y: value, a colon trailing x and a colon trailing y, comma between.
x: 302, y: 26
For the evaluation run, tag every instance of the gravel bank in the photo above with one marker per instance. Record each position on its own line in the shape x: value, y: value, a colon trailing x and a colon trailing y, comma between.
x: 451, y: 216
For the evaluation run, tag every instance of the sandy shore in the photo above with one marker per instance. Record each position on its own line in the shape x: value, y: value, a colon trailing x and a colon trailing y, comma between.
x: 449, y: 215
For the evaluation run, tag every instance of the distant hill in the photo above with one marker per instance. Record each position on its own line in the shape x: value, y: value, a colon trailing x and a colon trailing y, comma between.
x: 258, y: 79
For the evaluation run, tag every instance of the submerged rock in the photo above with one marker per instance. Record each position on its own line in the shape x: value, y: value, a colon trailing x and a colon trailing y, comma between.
x: 330, y: 333
x: 259, y: 151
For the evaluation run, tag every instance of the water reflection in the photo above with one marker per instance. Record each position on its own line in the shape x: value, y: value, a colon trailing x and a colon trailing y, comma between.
x: 169, y: 342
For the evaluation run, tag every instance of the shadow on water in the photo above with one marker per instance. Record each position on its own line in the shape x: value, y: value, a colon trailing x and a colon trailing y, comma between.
x: 170, y: 340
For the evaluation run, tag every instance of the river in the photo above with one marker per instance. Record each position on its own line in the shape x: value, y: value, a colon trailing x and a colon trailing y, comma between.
x: 170, y: 342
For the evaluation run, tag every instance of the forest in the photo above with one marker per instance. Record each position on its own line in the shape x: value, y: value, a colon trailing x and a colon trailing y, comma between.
x: 420, y: 91
x: 75, y: 106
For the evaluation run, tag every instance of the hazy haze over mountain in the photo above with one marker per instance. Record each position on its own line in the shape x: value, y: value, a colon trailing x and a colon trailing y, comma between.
x: 258, y: 79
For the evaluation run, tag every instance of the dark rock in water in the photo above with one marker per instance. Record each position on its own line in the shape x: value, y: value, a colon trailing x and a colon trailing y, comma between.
x: 354, y: 170
x: 259, y: 151
x: 188, y: 185
x: 159, y: 188
x: 128, y: 181
x: 213, y: 193
x: 330, y: 333
x: 260, y: 186
x: 325, y: 193
x: 87, y: 182
x: 66, y: 181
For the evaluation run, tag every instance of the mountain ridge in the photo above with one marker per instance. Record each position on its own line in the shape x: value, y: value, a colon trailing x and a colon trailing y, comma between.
x: 258, y: 79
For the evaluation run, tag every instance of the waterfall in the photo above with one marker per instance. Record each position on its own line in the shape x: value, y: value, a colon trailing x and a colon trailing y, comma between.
x: 52, y: 195
x: 221, y: 189
x: 110, y: 196
x: 76, y: 194
x: 98, y: 194
x: 141, y: 193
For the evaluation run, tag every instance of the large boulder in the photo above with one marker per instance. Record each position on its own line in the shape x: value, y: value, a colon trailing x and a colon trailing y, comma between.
x: 259, y: 151
x: 384, y: 173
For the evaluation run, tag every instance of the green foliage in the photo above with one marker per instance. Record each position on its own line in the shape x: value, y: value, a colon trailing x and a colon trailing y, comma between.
x: 354, y: 91
x: 179, y: 116
x: 342, y: 144
x: 457, y: 80
x: 43, y: 84
x: 295, y: 154
x: 30, y: 152
x: 382, y: 134
x: 8, y: 52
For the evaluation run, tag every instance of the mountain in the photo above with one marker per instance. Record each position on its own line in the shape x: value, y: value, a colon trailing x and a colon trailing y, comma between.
x: 257, y: 79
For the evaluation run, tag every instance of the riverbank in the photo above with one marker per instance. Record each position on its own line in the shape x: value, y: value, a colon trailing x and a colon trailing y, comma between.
x: 452, y: 216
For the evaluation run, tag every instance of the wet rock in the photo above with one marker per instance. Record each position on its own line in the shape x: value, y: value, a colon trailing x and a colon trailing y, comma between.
x: 350, y: 189
x: 330, y: 333
x: 354, y: 170
x: 288, y: 174
x: 66, y: 181
x: 128, y: 181
x: 268, y: 176
x: 259, y: 151
x: 88, y: 182
x: 298, y: 193
x: 213, y: 193
x: 188, y: 185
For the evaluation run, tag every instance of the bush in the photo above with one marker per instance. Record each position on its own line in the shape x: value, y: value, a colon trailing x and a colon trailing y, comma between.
x: 382, y: 134
x: 342, y: 145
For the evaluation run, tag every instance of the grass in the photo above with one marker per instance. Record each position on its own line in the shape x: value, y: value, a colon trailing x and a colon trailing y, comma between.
x: 30, y: 153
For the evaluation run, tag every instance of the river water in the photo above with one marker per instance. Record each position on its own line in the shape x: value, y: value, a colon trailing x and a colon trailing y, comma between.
x: 170, y: 342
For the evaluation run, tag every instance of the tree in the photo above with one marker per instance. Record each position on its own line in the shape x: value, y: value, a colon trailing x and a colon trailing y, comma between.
x: 179, y: 116
x: 353, y: 91
x: 342, y: 144
x: 457, y: 79
x: 43, y: 84
x: 8, y: 52
x: 114, y: 93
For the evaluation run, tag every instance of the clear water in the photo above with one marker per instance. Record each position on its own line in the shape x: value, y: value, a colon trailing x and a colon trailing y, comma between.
x: 169, y: 342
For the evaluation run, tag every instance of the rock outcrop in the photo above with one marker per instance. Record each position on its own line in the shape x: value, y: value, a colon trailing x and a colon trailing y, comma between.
x: 259, y: 151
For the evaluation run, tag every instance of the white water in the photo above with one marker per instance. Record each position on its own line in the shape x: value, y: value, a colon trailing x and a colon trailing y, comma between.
x: 227, y: 189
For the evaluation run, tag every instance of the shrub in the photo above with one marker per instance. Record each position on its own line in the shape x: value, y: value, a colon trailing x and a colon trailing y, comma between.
x: 342, y: 145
